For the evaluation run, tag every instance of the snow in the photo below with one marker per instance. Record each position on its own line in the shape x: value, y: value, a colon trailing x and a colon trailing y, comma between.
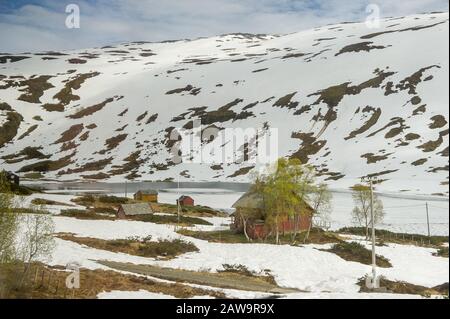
x: 144, y: 86
x: 306, y: 268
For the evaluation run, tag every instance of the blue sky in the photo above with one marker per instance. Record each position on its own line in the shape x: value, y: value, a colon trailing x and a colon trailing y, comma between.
x: 36, y: 25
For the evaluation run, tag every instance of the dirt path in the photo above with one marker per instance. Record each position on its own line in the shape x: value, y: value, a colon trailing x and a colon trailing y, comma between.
x: 219, y: 280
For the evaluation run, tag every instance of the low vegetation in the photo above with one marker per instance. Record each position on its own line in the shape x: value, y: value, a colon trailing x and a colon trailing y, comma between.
x: 195, y: 211
x: 316, y: 236
x: 8, y: 130
x: 399, y: 238
x: 225, y: 236
x: 401, y: 287
x: 356, y: 252
x: 44, y: 282
x: 227, y: 279
x: 47, y: 202
x: 442, y: 252
x: 170, y: 219
x: 244, y: 271
x: 145, y: 247
x: 85, y: 214
x: 102, y: 201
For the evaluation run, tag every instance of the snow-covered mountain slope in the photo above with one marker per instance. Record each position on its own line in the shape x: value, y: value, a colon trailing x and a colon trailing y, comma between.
x: 348, y: 99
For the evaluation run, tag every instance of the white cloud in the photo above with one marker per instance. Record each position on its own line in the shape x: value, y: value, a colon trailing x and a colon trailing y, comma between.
x: 42, y: 27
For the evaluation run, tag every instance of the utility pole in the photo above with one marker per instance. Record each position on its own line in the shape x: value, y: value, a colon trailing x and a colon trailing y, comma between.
x: 428, y: 220
x: 178, y: 199
x: 126, y: 189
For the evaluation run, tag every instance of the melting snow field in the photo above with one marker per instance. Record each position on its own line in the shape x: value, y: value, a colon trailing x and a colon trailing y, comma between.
x: 403, y: 213
x: 306, y: 268
x: 320, y: 274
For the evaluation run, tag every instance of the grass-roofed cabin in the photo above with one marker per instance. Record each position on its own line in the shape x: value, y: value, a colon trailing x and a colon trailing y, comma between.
x: 150, y: 196
x: 251, y: 215
x: 130, y: 210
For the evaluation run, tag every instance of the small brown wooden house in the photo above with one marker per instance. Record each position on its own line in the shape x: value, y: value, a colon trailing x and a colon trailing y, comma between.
x: 129, y: 210
x: 150, y: 196
x: 251, y: 207
x: 185, y: 201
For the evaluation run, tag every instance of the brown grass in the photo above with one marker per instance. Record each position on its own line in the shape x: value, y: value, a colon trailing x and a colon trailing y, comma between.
x: 48, y: 165
x: 44, y: 282
x: 9, y: 128
x: 401, y: 287
x: 90, y: 110
x: 70, y: 133
x: 35, y: 88
x: 165, y: 249
x: 113, y: 142
x: 43, y: 201
x: 356, y: 252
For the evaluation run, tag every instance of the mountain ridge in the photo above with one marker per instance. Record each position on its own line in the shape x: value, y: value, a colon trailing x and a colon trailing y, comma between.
x: 349, y: 100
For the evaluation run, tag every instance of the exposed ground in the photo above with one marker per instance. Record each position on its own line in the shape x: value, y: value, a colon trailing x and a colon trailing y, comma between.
x: 228, y: 280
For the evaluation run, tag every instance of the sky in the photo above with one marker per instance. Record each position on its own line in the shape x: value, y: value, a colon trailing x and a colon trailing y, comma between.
x: 40, y: 25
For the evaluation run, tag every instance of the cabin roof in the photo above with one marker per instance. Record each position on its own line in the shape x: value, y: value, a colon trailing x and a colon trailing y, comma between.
x: 148, y: 192
x: 255, y: 200
x: 249, y: 200
x: 137, y: 209
x: 183, y: 197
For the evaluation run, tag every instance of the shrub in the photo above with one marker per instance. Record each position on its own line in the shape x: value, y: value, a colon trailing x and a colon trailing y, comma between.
x: 352, y: 251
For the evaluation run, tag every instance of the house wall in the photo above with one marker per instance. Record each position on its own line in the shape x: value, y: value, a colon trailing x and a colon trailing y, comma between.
x: 260, y: 230
x: 187, y: 202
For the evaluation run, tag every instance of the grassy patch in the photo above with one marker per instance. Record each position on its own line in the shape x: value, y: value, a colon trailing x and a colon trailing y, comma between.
x: 170, y: 219
x: 88, y: 167
x: 43, y: 201
x: 34, y: 175
x: 317, y: 236
x: 442, y: 252
x: 399, y: 238
x: 100, y: 201
x: 48, y: 165
x: 225, y: 236
x: 28, y: 211
x: 85, y: 214
x: 9, y: 128
x: 230, y: 280
x: 70, y: 133
x: 196, y: 211
x: 401, y: 287
x: 50, y: 284
x: 90, y: 110
x: 113, y: 142
x: 27, y: 153
x: 138, y: 247
x: 358, y: 253
x: 35, y: 88
x: 244, y: 271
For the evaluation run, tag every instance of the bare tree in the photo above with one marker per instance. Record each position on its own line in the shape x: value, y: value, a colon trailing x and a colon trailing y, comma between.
x: 320, y: 199
x: 37, y: 242
x: 361, y: 213
x: 8, y: 221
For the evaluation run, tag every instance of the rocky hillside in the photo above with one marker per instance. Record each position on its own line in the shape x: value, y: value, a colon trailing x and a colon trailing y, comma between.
x: 350, y: 100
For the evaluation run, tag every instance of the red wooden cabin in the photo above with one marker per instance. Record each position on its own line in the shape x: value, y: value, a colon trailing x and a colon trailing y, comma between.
x: 250, y: 207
